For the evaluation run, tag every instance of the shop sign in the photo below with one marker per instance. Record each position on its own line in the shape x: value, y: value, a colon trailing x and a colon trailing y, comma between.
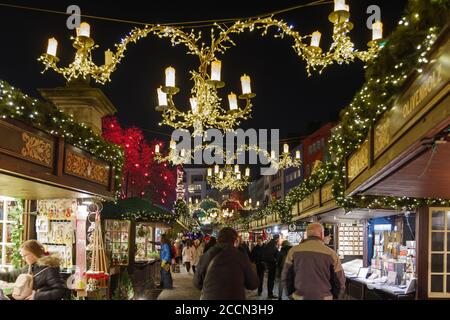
x: 358, y: 161
x: 26, y: 145
x: 423, y: 89
x: 79, y: 165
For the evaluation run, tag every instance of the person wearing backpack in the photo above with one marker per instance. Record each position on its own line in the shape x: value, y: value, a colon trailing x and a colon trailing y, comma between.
x: 41, y: 279
x: 224, y: 272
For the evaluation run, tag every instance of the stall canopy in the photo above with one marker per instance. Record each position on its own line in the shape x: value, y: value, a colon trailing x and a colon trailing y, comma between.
x: 137, y: 209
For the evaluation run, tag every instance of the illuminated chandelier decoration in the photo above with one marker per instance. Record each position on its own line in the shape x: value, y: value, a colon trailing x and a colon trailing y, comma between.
x: 205, y: 103
x: 248, y: 206
x: 173, y: 157
x: 228, y: 178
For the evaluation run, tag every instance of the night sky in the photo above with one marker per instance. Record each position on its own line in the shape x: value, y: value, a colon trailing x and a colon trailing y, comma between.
x: 286, y: 99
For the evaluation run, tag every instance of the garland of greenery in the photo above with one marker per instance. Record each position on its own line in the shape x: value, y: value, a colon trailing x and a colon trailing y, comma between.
x: 403, y: 55
x: 16, y: 233
x: 180, y: 208
x: 46, y: 116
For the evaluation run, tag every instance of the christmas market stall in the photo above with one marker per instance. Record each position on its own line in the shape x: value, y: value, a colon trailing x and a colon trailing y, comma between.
x: 133, y: 228
x: 49, y: 165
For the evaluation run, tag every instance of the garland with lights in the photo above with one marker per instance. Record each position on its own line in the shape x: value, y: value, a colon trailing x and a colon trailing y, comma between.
x: 385, y: 76
x: 46, y: 116
x: 180, y: 208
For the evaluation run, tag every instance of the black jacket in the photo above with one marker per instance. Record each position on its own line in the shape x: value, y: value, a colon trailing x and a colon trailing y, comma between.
x: 257, y: 254
x: 48, y: 284
x: 270, y: 253
x: 229, y: 274
x: 282, y: 258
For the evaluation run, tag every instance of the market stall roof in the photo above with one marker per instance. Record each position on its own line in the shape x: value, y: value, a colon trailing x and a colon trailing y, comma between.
x: 137, y: 209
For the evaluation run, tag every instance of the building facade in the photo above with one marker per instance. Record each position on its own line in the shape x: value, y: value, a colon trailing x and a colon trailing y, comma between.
x: 293, y: 176
x: 315, y: 147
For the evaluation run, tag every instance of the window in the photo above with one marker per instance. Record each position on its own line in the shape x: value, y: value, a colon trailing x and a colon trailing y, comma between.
x: 6, y: 246
x: 439, y: 253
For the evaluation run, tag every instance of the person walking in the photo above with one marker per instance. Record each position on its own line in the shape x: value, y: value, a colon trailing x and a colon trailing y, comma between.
x: 270, y: 259
x: 243, y: 247
x: 224, y: 272
x: 48, y: 283
x: 188, y: 255
x: 257, y: 257
x: 199, y: 248
x: 285, y: 247
x: 312, y: 270
x: 166, y: 257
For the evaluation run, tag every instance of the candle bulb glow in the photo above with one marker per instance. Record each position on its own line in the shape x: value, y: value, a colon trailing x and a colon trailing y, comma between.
x: 84, y: 30
x: 215, y: 70
x: 236, y: 169
x: 245, y: 82
x: 286, y: 148
x: 272, y: 154
x: 194, y: 105
x: 216, y: 169
x: 297, y: 154
x: 238, y: 176
x: 162, y: 97
x: 52, y: 46
x: 339, y: 5
x: 377, y: 30
x: 232, y: 99
x: 108, y: 57
x: 157, y: 148
x: 182, y: 153
x: 209, y: 172
x: 315, y: 39
x: 170, y: 77
x: 247, y: 172
x: 221, y: 175
x: 173, y: 144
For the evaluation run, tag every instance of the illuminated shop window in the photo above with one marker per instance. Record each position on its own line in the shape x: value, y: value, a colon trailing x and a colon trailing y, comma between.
x: 439, y: 253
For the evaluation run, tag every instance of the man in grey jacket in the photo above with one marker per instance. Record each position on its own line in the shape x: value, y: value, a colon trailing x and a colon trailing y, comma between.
x: 312, y: 270
x: 224, y: 272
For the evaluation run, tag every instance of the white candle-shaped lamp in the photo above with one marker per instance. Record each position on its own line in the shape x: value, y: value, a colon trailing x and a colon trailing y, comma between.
x: 194, y: 105
x: 157, y: 148
x: 315, y: 39
x: 245, y: 82
x: 182, y: 153
x: 272, y: 154
x: 215, y: 70
x: 162, y: 97
x: 52, y: 46
x: 209, y: 172
x: 377, y: 30
x: 238, y: 176
x: 108, y: 57
x: 170, y: 77
x: 216, y: 169
x: 257, y: 203
x: 339, y: 5
x: 173, y: 144
x: 236, y: 169
x: 250, y: 200
x: 347, y: 8
x: 196, y: 201
x: 84, y: 30
x: 297, y: 154
x: 247, y: 172
x: 232, y: 100
x: 286, y: 148
x: 221, y: 175
x: 190, y: 200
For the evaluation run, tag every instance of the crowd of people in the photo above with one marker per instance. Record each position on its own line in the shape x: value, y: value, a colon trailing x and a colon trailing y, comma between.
x: 226, y: 268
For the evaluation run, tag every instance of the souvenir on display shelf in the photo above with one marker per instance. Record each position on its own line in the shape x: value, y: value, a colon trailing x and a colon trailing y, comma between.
x: 117, y: 241
x: 56, y: 230
x: 144, y: 242
x: 351, y: 239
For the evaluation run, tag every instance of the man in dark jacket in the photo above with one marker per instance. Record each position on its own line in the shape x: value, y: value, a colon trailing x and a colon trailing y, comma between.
x: 257, y: 257
x: 285, y: 247
x: 312, y: 270
x: 223, y: 273
x: 270, y: 259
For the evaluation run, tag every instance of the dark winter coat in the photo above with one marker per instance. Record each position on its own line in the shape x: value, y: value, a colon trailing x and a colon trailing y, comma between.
x: 48, y: 284
x: 257, y: 254
x: 224, y: 273
x: 282, y: 258
x: 270, y: 253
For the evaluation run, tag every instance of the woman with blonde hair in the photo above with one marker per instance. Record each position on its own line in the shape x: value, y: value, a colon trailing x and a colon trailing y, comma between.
x: 47, y: 281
